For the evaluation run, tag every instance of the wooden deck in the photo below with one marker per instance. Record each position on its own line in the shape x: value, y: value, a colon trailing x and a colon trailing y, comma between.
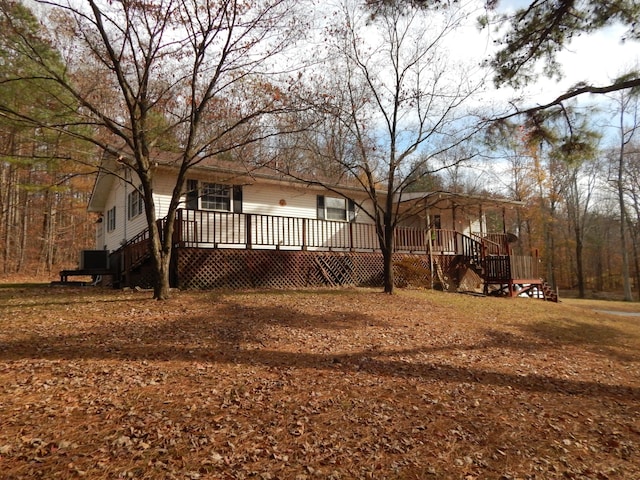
x: 201, y: 231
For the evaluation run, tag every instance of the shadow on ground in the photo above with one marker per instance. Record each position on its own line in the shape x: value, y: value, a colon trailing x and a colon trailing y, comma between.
x: 235, y: 334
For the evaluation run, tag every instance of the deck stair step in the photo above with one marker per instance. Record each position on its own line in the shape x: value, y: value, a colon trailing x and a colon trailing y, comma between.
x: 549, y: 294
x: 139, y: 261
x: 476, y: 265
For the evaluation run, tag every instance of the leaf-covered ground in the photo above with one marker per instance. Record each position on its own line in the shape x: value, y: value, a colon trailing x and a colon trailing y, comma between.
x: 106, y: 384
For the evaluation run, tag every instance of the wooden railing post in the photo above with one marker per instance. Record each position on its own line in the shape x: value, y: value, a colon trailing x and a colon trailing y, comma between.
x: 248, y: 228
x: 177, y: 229
x: 304, y: 233
x: 351, y: 237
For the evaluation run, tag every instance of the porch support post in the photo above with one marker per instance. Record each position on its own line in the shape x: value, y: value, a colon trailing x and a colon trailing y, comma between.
x: 504, y: 219
x: 351, y: 237
x: 178, y: 238
x: 453, y: 216
x: 455, y: 227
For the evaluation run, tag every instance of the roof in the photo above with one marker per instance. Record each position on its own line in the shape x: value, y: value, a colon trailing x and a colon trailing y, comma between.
x: 102, y: 185
x: 244, y: 173
x: 237, y: 172
x: 432, y: 199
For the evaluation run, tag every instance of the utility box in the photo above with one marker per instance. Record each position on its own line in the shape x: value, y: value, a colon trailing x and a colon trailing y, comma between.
x: 94, y: 259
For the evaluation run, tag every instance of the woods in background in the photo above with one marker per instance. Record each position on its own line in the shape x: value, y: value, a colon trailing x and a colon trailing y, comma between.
x: 61, y: 108
x: 44, y: 221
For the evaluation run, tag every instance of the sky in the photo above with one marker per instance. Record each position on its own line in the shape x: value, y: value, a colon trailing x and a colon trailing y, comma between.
x: 595, y: 58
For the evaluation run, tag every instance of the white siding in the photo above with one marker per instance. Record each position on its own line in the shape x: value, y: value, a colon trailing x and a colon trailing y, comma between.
x: 285, y: 201
x: 258, y: 199
x: 100, y: 231
x: 446, y: 218
x: 279, y: 200
x: 113, y: 238
x: 361, y: 216
x: 125, y: 228
x: 163, y: 185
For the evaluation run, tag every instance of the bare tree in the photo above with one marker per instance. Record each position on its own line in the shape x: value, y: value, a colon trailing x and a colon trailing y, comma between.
x: 187, y: 76
x: 395, y: 96
x: 581, y: 179
x: 627, y: 111
x: 632, y: 196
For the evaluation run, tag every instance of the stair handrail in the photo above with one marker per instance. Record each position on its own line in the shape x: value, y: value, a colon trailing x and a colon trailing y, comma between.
x: 133, y: 252
x: 469, y: 247
x: 490, y: 247
x: 143, y: 235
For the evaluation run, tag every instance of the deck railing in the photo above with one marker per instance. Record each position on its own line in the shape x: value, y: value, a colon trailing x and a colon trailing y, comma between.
x: 201, y: 228
x: 499, y: 268
x: 212, y: 229
x: 525, y: 267
x: 137, y: 249
x: 492, y: 243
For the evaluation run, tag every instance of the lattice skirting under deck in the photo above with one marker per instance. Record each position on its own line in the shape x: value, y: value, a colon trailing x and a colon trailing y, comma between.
x: 219, y: 268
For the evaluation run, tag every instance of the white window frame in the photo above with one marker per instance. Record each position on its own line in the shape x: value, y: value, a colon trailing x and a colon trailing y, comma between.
x: 135, y: 204
x: 221, y: 196
x: 336, y: 209
x: 111, y: 219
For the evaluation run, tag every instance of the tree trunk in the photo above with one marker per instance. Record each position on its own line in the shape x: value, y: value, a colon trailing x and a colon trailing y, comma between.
x: 161, y: 257
x: 387, y: 258
x: 161, y: 241
x: 636, y: 260
x: 388, y: 247
x: 550, y: 248
x: 25, y: 202
x: 48, y: 229
x: 162, y: 286
x: 599, y: 271
x: 579, y: 262
x: 626, y: 284
x: 7, y: 214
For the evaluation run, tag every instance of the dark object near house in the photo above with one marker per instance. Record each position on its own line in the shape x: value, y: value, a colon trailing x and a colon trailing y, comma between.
x: 94, y: 259
x: 93, y: 263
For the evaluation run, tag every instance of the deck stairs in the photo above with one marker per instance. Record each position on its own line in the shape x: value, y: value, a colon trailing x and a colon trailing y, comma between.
x: 549, y: 294
x: 132, y: 256
x: 473, y: 252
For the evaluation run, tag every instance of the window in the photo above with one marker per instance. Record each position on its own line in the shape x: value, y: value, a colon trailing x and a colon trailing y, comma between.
x: 213, y: 196
x: 135, y: 204
x: 192, y: 194
x: 338, y: 209
x: 111, y: 219
x: 216, y: 197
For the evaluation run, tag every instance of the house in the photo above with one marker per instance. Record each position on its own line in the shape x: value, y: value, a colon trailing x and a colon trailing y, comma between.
x: 241, y: 227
